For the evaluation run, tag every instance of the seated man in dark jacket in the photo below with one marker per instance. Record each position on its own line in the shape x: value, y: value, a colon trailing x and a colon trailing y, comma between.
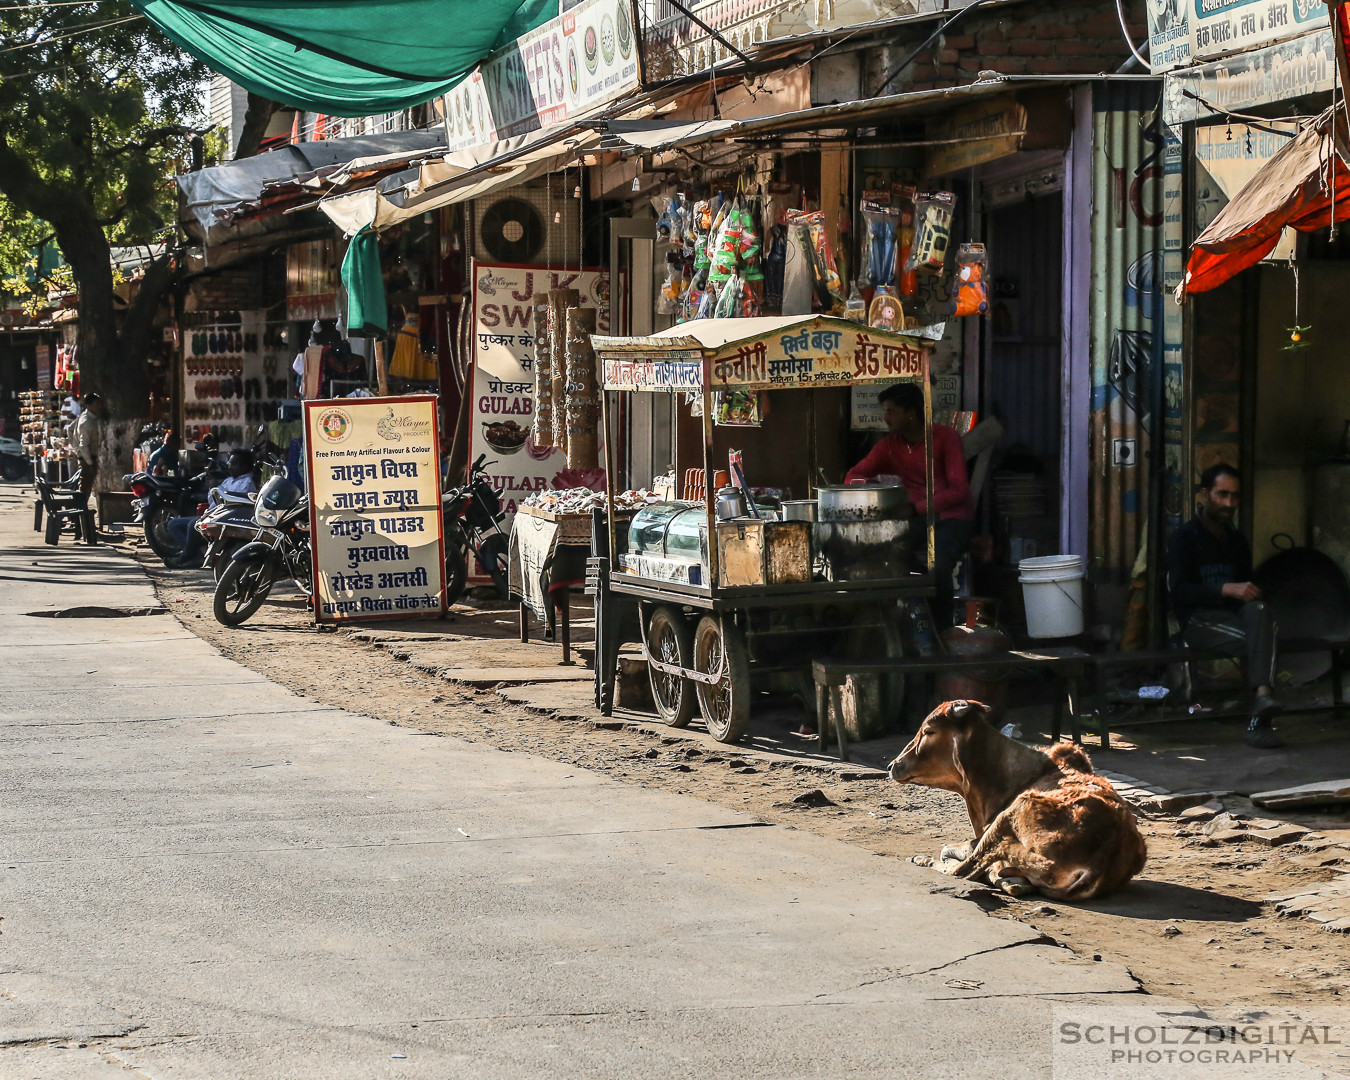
x: 1209, y: 569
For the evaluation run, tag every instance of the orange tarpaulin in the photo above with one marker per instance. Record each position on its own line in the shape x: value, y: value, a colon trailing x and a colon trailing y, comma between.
x: 1292, y: 190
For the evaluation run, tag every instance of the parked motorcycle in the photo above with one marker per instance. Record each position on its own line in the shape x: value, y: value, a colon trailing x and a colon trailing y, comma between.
x: 156, y: 499
x: 472, y: 522
x: 228, y: 525
x: 280, y: 550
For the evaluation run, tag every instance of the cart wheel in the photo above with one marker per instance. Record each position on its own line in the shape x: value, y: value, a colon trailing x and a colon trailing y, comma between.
x: 719, y: 648
x: 669, y: 641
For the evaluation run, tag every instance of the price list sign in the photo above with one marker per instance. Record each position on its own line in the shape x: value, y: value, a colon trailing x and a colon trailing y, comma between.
x: 375, y: 508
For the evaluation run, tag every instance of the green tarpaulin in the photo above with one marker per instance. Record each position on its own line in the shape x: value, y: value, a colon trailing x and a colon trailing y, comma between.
x: 367, y: 309
x: 346, y: 57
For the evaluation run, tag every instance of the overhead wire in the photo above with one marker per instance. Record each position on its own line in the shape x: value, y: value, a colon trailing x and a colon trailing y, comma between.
x: 74, y: 33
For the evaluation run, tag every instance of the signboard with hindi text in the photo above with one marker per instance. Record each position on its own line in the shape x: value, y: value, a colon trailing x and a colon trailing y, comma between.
x: 799, y: 354
x: 586, y: 57
x: 374, y: 476
x: 503, y: 374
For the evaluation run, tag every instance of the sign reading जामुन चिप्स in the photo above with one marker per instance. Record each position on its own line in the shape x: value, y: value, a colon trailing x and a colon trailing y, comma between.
x: 375, y: 507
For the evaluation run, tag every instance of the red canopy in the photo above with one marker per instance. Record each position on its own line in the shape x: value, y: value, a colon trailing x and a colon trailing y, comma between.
x: 1294, y: 189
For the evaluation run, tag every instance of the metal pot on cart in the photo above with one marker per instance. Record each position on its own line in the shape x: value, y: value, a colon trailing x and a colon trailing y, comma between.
x: 725, y: 606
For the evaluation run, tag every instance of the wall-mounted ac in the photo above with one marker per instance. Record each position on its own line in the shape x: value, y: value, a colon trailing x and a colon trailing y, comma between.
x: 516, y: 225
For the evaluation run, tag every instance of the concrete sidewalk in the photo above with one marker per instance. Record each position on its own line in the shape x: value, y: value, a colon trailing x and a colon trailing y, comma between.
x: 205, y: 876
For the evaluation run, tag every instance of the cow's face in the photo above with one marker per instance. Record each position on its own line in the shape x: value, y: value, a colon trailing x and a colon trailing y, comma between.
x: 933, y: 757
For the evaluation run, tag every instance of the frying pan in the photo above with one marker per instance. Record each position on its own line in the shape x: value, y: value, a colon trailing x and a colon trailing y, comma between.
x: 1310, y: 597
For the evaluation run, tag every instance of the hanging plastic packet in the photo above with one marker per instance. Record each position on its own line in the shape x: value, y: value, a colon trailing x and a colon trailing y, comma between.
x: 670, y: 225
x: 751, y: 248
x: 880, y: 224
x: 932, y: 230
x: 808, y: 228
x: 737, y: 408
x: 855, y: 307
x: 726, y: 251
x: 885, y: 312
x: 729, y: 299
x: 902, y: 200
x: 972, y: 291
x: 673, y: 287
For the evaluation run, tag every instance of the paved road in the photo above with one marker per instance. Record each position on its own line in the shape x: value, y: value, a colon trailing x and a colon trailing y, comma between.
x: 206, y: 876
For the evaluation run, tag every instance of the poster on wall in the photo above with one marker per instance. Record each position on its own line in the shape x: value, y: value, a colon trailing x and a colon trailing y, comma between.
x: 503, y: 374
x: 375, y: 508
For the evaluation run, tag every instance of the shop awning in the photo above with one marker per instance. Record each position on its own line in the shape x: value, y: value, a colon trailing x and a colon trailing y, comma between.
x: 1298, y: 188
x: 346, y: 57
x: 215, y: 196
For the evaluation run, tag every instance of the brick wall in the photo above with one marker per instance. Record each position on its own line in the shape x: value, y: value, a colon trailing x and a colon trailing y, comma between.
x: 232, y: 289
x: 1060, y: 37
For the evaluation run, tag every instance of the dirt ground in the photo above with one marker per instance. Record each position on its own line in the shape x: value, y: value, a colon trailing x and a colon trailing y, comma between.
x: 1193, y: 926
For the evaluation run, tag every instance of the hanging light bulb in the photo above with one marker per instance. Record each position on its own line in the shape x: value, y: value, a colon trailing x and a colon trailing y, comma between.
x: 576, y: 192
x: 557, y: 217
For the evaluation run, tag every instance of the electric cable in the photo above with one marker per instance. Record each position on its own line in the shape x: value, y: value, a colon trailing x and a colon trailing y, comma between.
x: 1125, y: 32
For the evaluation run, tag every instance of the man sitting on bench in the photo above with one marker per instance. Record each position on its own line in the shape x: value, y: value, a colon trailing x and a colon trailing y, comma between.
x: 1209, y: 569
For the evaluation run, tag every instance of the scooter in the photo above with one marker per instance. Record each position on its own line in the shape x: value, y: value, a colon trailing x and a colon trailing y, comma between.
x: 472, y: 517
x: 281, y: 549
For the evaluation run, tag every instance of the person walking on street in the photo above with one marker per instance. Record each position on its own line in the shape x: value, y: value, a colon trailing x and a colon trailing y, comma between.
x: 1209, y: 570
x: 85, y: 435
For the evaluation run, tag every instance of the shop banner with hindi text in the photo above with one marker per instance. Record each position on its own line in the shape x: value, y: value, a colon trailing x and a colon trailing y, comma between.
x: 503, y: 374
x: 375, y: 507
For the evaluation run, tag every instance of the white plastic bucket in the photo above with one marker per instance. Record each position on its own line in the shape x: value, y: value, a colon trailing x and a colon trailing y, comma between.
x: 1052, y: 592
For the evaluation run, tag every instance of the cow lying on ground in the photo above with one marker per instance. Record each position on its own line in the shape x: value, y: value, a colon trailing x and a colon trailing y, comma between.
x: 1041, y: 820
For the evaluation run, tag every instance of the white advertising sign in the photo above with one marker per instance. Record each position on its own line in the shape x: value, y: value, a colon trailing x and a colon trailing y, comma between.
x: 1181, y: 31
x: 584, y: 58
x: 503, y: 373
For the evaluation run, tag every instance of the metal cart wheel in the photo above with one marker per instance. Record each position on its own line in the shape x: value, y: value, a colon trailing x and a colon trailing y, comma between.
x: 670, y: 641
x: 719, y: 649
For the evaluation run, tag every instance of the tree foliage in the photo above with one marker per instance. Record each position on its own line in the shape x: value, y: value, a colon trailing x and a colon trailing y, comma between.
x: 97, y: 113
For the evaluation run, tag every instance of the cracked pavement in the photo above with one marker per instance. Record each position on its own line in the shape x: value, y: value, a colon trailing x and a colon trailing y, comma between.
x: 207, y: 876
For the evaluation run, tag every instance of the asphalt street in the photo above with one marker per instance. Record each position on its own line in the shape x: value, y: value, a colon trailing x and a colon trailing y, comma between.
x: 204, y: 875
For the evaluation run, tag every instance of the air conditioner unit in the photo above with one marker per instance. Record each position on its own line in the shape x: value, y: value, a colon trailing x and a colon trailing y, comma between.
x: 517, y: 225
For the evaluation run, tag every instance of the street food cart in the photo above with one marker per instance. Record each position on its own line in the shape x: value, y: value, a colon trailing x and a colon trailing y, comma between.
x: 725, y: 596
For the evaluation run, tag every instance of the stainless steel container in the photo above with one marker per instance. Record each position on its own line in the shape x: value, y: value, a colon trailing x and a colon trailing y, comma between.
x: 863, y: 502
x: 869, y: 550
x: 730, y: 504
x: 800, y: 509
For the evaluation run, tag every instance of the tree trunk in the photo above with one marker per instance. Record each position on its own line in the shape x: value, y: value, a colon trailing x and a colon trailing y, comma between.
x: 259, y: 115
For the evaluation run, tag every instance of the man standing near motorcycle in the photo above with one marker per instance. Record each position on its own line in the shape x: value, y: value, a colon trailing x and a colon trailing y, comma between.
x: 85, y: 435
x: 239, y: 482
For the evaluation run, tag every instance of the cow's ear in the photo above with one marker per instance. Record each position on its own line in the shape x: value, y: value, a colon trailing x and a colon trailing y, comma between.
x: 969, y: 710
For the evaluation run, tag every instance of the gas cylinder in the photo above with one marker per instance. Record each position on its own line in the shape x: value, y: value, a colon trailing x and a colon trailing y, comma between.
x: 978, y: 635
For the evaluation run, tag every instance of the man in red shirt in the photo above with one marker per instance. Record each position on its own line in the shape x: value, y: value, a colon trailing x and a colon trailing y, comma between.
x: 901, y: 453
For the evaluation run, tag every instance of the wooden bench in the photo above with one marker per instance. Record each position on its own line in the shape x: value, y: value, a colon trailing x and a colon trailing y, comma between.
x: 1102, y: 663
x: 1068, y: 664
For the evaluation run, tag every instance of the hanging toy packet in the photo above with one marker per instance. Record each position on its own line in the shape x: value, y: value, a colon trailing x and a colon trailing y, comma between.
x: 932, y: 230
x: 972, y: 291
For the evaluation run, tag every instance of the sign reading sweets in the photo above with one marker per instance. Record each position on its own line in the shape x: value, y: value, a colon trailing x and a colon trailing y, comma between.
x: 503, y: 374
x: 375, y: 507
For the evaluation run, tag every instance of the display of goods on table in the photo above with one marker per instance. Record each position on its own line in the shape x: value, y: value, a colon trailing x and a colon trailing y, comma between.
x: 584, y: 500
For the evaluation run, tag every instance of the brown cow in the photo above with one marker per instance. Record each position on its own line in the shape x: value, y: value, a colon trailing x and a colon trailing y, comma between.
x: 1041, y: 820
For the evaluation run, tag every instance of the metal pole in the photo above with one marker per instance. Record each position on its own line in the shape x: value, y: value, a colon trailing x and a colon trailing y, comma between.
x: 928, y: 462
x: 709, y: 495
x: 609, y: 474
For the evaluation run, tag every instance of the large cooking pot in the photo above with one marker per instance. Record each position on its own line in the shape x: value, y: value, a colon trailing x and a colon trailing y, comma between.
x: 863, y: 502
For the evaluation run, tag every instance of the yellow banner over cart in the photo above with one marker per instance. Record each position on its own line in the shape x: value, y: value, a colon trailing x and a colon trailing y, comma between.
x: 814, y: 357
x: 375, y: 507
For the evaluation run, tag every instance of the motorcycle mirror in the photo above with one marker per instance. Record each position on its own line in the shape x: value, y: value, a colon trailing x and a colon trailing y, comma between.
x: 479, y: 463
x: 215, y: 495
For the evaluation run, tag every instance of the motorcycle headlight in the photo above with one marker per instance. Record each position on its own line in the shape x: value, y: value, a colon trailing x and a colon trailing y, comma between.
x: 266, y: 516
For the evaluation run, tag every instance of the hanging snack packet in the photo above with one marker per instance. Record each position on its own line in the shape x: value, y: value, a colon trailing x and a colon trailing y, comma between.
x: 726, y: 255
x: 932, y: 230
x: 972, y: 291
x: 673, y: 287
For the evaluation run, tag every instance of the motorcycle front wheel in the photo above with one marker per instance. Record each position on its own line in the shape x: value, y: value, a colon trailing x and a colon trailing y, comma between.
x: 456, y: 563
x: 241, y: 591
